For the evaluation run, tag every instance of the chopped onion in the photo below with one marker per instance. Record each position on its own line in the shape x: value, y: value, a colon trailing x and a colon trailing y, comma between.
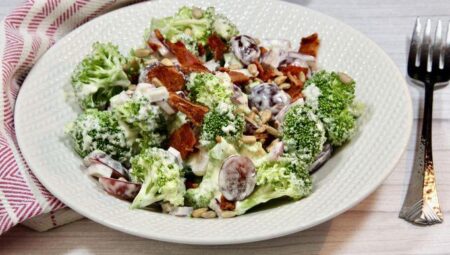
x: 212, y: 65
x: 182, y: 211
x: 100, y: 158
x: 198, y: 162
x: 99, y: 170
x: 305, y: 58
x: 166, y: 107
x: 276, y: 43
x: 176, y: 154
x: 274, y: 57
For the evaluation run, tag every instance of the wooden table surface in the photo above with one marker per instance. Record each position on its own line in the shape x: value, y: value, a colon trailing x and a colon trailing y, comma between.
x: 372, y: 227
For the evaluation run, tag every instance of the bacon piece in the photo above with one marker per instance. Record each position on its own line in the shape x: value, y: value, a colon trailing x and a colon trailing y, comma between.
x: 194, y: 112
x: 217, y: 46
x: 227, y: 205
x: 265, y: 72
x: 238, y: 78
x: 310, y: 45
x: 263, y: 50
x: 183, y: 139
x: 295, y: 91
x: 159, y: 35
x: 169, y: 76
x: 223, y: 69
x: 188, y: 61
x: 153, y: 46
x: 293, y: 72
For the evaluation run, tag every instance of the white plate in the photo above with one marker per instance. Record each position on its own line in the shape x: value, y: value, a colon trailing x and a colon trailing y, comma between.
x: 357, y: 170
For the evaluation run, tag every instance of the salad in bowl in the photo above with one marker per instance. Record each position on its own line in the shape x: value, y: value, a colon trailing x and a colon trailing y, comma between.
x: 202, y: 121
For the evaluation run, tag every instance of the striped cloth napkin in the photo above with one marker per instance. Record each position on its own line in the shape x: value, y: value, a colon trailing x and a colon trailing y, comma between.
x: 25, y: 35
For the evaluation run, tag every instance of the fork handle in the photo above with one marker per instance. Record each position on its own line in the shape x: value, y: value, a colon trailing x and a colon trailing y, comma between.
x: 421, y: 204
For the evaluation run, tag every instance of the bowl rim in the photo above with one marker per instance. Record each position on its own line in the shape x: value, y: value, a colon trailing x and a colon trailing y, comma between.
x: 257, y: 237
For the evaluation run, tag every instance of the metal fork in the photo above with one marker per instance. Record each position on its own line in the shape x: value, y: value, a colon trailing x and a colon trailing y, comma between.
x: 429, y: 65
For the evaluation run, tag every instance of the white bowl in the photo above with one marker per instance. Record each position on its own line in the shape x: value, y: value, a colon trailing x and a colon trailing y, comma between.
x: 352, y: 174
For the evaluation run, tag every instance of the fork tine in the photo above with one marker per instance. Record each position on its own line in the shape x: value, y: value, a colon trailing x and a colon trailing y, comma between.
x: 437, y: 48
x: 425, y: 48
x: 414, y: 47
x: 447, y: 48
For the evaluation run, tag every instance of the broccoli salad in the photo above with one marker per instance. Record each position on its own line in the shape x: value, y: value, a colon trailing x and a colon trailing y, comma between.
x: 203, y: 121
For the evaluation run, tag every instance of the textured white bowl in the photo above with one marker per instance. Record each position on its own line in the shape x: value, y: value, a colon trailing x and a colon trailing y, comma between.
x: 42, y: 111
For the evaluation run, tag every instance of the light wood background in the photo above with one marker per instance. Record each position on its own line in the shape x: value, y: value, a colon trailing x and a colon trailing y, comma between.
x: 372, y: 227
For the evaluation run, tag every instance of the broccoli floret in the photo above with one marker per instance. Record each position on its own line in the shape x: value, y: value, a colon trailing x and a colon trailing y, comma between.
x: 209, y: 89
x: 303, y: 133
x: 196, y: 23
x: 145, y: 118
x: 223, y: 122
x: 99, y: 130
x: 199, y: 27
x: 333, y: 100
x: 201, y: 196
x: 275, y: 179
x: 224, y: 27
x: 161, y: 178
x: 99, y: 76
x: 141, y: 116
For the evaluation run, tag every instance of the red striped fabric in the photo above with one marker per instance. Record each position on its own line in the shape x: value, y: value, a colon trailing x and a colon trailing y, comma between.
x: 25, y: 34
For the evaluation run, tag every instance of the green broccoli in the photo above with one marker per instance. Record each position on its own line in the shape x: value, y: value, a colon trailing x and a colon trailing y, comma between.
x: 303, y: 133
x: 195, y: 23
x: 141, y: 116
x: 221, y: 121
x: 201, y: 196
x: 161, y: 178
x: 275, y: 179
x: 209, y: 89
x: 99, y: 130
x: 199, y: 26
x: 224, y: 27
x: 333, y: 99
x: 99, y: 76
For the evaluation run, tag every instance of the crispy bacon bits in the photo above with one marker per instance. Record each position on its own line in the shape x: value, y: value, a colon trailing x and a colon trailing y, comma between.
x: 169, y: 76
x: 217, y: 46
x: 188, y: 61
x: 295, y: 70
x: 265, y: 72
x: 196, y: 113
x: 183, y: 139
x: 310, y: 45
x: 238, y: 78
x: 153, y: 46
x: 227, y: 205
x: 293, y: 73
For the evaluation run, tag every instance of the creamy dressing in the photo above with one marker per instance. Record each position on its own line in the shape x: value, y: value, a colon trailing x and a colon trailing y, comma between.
x: 312, y: 94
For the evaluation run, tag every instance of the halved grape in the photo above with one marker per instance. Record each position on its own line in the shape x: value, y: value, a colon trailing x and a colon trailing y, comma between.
x: 237, y: 178
x: 245, y: 49
x: 269, y: 97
